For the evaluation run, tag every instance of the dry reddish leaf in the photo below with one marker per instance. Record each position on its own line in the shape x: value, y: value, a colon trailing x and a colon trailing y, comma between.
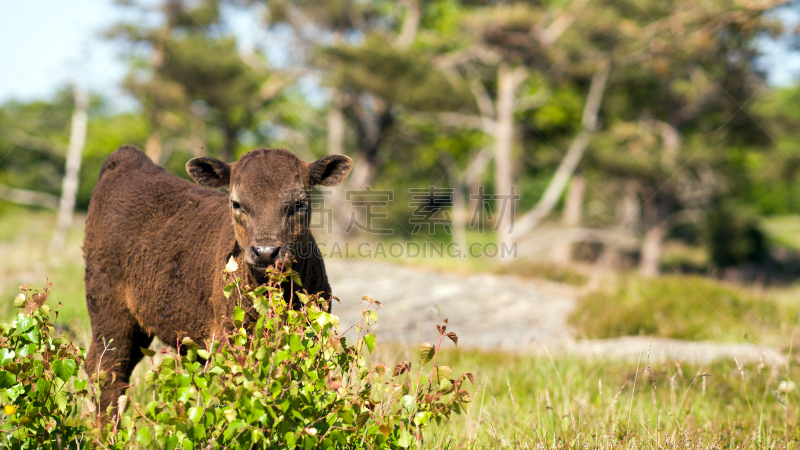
x: 453, y: 337
x: 401, y: 367
x: 335, y: 384
x: 36, y: 301
x: 380, y: 369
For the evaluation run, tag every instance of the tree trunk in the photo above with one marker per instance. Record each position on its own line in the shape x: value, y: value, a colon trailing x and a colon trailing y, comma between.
x: 629, y: 210
x: 153, y: 146
x: 651, y: 250
x: 573, y: 207
x: 69, y: 186
x: 573, y: 203
x: 229, y: 146
x: 458, y: 182
x: 574, y: 154
x: 30, y: 198
x: 460, y: 217
x: 508, y: 80
x: 335, y: 203
x: 410, y: 24
x: 335, y: 126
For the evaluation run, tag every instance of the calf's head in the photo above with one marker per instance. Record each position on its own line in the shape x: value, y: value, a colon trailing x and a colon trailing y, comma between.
x: 269, y: 201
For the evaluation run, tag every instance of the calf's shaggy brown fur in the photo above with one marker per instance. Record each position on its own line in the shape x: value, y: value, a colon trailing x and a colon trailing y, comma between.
x: 156, y: 246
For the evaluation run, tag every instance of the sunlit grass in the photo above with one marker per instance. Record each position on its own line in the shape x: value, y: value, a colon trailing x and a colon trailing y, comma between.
x: 783, y: 230
x: 685, y: 307
x: 27, y: 259
x: 569, y: 402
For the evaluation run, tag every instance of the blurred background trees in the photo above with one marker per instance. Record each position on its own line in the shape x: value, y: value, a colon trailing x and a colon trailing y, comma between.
x: 633, y: 133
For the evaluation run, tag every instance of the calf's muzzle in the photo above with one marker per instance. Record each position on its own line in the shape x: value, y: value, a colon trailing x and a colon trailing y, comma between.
x: 263, y: 256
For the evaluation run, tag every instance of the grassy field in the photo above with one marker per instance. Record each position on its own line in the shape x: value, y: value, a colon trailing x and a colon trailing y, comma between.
x: 560, y: 401
x: 27, y: 259
x: 564, y: 402
x: 686, y: 307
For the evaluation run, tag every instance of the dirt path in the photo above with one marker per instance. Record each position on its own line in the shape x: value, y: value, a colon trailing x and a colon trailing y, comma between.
x: 497, y: 312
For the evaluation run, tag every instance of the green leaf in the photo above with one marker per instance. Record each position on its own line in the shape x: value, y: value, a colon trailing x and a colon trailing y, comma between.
x: 171, y: 442
x: 295, y: 277
x: 14, y: 391
x: 42, y: 389
x: 203, y: 354
x: 23, y: 322
x: 61, y: 401
x: 32, y: 335
x: 370, y: 341
x: 27, y: 350
x: 167, y: 366
x: 405, y: 439
x: 443, y: 373
x: 238, y: 316
x: 426, y: 352
x: 362, y: 419
x: 143, y: 437
x: 195, y: 414
x: 7, y: 379
x: 407, y: 402
x: 228, y: 289
x: 163, y: 417
x: 302, y: 297
x: 289, y: 438
x: 184, y: 394
x: 147, y: 352
x: 6, y: 356
x: 295, y: 344
x: 65, y: 368
x: 422, y: 418
x: 200, y: 382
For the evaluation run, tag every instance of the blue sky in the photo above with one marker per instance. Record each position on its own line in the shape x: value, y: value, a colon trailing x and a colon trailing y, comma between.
x: 46, y: 44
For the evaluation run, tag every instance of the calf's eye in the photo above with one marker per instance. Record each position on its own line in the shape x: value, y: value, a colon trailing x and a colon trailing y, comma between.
x: 236, y: 206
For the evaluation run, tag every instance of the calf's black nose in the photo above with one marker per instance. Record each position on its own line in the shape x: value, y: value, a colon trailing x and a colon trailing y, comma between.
x: 264, y: 255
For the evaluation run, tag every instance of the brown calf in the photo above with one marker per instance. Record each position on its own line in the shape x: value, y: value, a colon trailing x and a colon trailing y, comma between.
x: 156, y: 245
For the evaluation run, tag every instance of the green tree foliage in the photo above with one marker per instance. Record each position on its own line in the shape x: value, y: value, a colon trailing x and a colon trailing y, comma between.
x: 196, y: 86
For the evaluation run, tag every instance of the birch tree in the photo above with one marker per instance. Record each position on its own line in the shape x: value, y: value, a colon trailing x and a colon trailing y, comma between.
x: 69, y: 186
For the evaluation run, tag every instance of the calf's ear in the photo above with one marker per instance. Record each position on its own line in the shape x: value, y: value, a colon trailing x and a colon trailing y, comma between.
x: 330, y: 170
x: 209, y: 172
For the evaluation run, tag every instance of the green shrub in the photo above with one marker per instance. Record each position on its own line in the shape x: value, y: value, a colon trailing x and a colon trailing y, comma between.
x: 38, y: 387
x: 677, y: 307
x: 280, y: 378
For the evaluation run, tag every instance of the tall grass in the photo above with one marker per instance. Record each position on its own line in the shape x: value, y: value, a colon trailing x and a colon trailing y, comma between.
x: 568, y: 402
x: 26, y: 258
